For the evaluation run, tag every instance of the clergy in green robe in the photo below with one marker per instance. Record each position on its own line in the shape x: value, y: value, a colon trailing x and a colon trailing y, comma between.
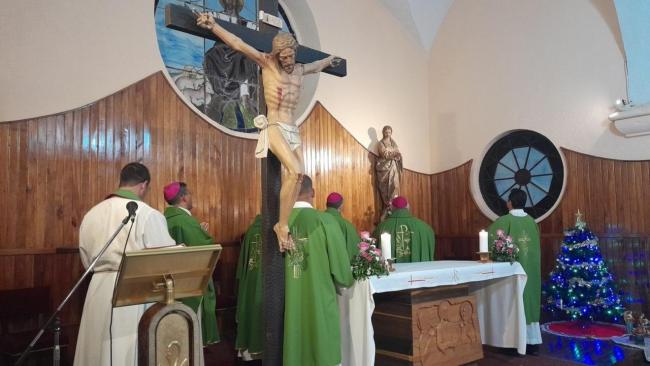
x: 525, y: 234
x: 317, y: 264
x: 184, y: 228
x: 250, y: 327
x: 352, y: 239
x: 411, y: 239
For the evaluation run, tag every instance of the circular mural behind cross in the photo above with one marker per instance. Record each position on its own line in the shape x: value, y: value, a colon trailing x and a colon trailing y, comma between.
x: 526, y: 160
x: 218, y: 81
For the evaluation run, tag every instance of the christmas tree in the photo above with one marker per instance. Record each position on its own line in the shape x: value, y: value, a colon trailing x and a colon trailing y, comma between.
x: 581, y: 287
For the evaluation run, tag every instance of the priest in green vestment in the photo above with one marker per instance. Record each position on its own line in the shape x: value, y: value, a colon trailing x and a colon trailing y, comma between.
x: 184, y: 228
x: 411, y: 239
x: 525, y: 234
x: 318, y: 263
x: 250, y: 327
x: 352, y: 238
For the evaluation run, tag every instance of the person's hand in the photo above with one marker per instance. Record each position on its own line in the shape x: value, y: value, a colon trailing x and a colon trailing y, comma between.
x: 335, y: 61
x: 205, y: 20
x: 204, y: 226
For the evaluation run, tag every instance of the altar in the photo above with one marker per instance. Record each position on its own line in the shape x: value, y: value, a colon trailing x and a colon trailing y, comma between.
x: 496, y: 287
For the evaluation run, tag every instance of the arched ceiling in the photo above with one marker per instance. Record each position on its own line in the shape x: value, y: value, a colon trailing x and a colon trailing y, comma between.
x: 421, y: 18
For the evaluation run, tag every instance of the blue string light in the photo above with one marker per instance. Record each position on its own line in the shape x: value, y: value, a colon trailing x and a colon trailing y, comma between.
x: 580, y: 286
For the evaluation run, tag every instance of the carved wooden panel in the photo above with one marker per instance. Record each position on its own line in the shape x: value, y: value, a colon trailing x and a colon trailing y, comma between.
x: 447, y: 332
x: 423, y: 327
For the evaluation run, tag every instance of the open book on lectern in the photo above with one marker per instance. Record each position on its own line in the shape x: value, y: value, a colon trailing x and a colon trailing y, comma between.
x: 145, y: 274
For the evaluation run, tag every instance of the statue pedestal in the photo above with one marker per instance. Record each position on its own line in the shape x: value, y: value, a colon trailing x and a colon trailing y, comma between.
x: 431, y: 326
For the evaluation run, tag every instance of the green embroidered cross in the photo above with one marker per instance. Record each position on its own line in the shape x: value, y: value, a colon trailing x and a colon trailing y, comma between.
x: 403, y: 242
x: 296, y: 256
x: 256, y: 252
x: 522, y: 242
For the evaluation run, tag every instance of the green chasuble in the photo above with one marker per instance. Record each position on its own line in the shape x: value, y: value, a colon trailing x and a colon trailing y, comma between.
x: 312, y: 335
x: 525, y: 234
x: 350, y: 233
x: 250, y: 327
x: 186, y: 229
x: 411, y: 239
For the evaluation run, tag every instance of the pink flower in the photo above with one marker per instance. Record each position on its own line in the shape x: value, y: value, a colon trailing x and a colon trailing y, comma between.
x: 377, y: 251
x: 364, y: 234
x: 363, y: 246
x: 499, y: 244
x: 366, y: 256
x: 509, y: 238
x: 509, y: 250
x: 500, y: 232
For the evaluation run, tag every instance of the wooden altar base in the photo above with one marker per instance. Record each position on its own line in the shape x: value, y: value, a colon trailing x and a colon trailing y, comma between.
x: 426, y: 327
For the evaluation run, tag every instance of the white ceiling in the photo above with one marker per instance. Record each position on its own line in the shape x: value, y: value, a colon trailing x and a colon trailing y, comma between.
x: 421, y: 18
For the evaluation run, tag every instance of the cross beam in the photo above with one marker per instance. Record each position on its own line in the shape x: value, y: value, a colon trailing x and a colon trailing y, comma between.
x: 182, y: 19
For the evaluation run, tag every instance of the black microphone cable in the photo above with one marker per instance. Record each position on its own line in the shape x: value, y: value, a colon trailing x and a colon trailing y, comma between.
x: 132, y: 209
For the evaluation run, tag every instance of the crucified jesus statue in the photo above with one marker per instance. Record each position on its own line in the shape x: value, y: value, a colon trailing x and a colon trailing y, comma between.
x: 282, y: 80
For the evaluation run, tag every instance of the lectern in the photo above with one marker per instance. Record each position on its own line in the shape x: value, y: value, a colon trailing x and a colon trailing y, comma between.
x: 169, y: 332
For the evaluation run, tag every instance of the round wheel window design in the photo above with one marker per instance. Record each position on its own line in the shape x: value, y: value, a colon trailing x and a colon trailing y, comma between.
x: 526, y: 160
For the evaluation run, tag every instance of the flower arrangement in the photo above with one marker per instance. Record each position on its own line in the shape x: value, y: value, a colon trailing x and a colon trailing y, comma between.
x: 504, y: 250
x: 369, y: 262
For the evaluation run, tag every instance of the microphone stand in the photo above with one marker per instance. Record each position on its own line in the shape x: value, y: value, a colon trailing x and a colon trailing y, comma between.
x: 23, y: 356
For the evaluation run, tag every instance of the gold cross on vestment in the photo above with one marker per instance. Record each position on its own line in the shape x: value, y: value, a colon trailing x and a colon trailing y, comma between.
x: 255, y: 253
x: 296, y: 255
x: 524, y: 238
x: 522, y: 243
x: 403, y: 242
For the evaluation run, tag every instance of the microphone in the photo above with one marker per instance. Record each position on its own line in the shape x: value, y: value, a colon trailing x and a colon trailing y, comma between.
x: 131, y: 207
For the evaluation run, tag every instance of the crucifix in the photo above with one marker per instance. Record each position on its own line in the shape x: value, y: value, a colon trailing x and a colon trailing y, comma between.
x: 283, y: 64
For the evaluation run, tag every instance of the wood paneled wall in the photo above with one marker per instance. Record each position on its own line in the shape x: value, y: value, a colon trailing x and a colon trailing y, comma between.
x: 338, y: 163
x: 613, y: 195
x: 54, y: 168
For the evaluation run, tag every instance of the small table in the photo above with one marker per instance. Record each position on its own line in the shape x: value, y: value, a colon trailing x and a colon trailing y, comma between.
x: 497, y: 287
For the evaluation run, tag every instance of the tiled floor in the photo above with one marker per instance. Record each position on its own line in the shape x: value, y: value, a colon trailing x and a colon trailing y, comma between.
x: 555, y: 351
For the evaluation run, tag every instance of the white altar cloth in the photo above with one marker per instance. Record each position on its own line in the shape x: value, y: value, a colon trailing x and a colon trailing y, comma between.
x: 498, y: 288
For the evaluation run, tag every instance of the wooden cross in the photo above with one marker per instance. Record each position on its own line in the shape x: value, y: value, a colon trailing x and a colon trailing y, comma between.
x: 183, y: 19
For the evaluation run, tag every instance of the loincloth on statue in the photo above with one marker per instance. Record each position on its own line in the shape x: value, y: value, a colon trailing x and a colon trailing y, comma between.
x: 290, y: 133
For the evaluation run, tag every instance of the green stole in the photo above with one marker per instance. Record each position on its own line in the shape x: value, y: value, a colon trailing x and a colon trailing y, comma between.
x: 125, y: 194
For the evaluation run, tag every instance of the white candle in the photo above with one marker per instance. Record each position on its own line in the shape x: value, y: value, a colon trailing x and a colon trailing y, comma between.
x: 385, y: 245
x: 483, y: 241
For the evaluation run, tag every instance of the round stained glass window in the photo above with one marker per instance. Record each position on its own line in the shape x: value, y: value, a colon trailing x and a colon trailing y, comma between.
x: 526, y: 160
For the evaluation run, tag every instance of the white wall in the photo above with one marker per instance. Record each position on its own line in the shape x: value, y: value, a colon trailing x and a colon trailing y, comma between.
x: 60, y: 55
x: 553, y: 66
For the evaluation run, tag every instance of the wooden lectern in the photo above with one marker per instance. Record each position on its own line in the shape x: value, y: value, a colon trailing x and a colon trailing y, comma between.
x: 169, y: 332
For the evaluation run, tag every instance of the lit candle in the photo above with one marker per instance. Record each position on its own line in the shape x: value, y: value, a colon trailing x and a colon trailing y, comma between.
x: 483, y: 241
x: 385, y: 245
